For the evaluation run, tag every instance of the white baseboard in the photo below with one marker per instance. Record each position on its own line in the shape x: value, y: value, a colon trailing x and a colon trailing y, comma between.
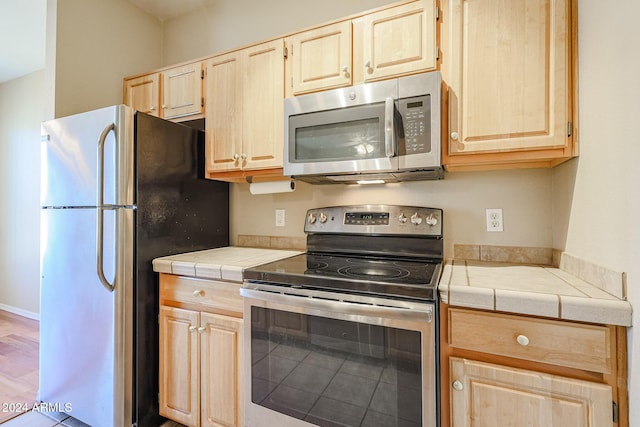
x: 20, y: 312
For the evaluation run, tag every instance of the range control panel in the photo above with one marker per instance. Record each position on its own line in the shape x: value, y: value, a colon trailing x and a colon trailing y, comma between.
x: 375, y: 219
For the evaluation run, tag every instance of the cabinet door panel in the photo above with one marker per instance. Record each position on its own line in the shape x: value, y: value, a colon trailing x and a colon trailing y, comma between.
x: 321, y: 58
x: 224, y: 112
x: 221, y: 364
x: 263, y: 95
x: 179, y: 365
x: 143, y: 93
x: 396, y: 41
x: 483, y: 394
x: 508, y: 75
x: 182, y: 91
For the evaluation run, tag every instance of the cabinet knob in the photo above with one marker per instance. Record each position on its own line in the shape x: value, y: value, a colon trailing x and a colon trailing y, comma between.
x: 153, y: 107
x: 164, y: 107
x: 457, y: 385
x: 201, y: 329
x: 367, y: 65
x: 345, y: 69
x: 523, y: 340
x: 454, y: 136
x: 236, y: 156
x: 192, y: 328
x: 198, y: 293
x: 243, y: 156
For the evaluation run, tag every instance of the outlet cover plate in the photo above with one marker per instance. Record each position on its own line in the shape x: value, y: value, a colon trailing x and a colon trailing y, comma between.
x: 494, y: 220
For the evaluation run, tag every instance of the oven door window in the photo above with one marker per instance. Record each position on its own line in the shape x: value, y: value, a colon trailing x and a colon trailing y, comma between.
x: 354, y: 133
x: 335, y: 372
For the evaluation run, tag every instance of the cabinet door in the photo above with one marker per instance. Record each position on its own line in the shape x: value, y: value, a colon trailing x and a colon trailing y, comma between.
x: 182, y: 91
x: 143, y: 93
x: 224, y: 112
x: 395, y: 41
x: 320, y: 58
x: 179, y: 377
x: 262, y: 107
x: 507, y: 65
x: 483, y: 394
x: 221, y: 371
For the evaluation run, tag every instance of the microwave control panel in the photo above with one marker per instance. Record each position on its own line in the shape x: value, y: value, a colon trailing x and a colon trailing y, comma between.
x: 416, y: 125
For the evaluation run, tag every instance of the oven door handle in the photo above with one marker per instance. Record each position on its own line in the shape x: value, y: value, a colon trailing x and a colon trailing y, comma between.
x: 305, y: 302
x: 389, y: 131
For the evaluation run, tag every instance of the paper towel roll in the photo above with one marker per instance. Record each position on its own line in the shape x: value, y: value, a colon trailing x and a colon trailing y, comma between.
x: 272, y: 187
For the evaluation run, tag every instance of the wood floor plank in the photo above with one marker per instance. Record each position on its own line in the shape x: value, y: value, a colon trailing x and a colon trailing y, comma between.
x: 19, y: 342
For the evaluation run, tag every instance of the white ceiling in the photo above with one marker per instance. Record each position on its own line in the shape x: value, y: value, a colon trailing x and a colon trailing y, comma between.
x: 23, y: 24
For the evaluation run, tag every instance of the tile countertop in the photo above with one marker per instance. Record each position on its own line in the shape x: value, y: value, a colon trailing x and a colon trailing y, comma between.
x: 537, y: 290
x: 220, y: 264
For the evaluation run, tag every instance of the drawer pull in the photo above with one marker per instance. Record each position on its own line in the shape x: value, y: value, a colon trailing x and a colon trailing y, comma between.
x: 457, y: 385
x: 198, y: 293
x: 523, y: 340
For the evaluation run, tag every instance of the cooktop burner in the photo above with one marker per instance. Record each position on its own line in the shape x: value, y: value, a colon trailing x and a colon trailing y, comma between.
x: 347, y: 273
x: 375, y: 250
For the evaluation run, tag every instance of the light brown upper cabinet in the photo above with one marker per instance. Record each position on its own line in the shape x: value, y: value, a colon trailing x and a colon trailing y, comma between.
x: 143, y: 93
x: 509, y: 70
x: 245, y: 92
x: 320, y: 58
x: 388, y: 43
x: 172, y: 94
x: 182, y: 91
x: 395, y: 41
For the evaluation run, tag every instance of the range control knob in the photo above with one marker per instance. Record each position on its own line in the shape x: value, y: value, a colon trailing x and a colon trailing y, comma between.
x: 431, y: 220
x: 415, y: 219
x: 402, y: 218
x: 312, y: 218
x: 322, y: 217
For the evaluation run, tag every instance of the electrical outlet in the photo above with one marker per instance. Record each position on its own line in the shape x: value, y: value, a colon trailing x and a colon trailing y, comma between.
x: 494, y: 220
x: 279, y: 217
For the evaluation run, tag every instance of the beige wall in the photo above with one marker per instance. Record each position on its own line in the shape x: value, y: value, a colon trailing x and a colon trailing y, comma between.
x: 21, y: 111
x: 524, y: 196
x: 97, y: 44
x: 600, y: 196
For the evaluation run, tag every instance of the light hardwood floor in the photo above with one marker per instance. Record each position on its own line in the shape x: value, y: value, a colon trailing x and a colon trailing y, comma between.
x: 19, y: 338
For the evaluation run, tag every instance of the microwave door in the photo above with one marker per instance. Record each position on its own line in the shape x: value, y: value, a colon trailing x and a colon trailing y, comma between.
x: 346, y: 140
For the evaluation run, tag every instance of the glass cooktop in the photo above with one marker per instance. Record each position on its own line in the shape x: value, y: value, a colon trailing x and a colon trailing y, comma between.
x: 404, y: 278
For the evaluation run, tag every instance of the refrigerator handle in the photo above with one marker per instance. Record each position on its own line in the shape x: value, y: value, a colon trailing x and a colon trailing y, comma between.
x: 101, y: 207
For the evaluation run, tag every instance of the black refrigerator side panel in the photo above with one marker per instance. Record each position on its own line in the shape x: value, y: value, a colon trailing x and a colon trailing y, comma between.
x: 177, y: 211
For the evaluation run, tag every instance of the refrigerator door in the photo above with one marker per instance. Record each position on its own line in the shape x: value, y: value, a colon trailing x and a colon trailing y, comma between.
x: 85, y: 328
x: 87, y: 159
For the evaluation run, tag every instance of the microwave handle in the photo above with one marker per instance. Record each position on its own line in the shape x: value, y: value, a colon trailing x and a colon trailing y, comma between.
x: 389, y: 134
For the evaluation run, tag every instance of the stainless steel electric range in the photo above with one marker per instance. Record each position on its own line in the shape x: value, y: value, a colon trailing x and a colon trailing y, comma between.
x: 346, y: 333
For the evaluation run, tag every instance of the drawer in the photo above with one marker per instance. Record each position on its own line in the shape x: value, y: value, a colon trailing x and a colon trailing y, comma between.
x: 561, y: 343
x: 207, y: 295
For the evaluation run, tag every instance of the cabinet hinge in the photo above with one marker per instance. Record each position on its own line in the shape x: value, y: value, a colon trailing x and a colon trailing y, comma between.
x: 437, y: 13
x: 615, y: 411
x: 437, y: 53
x: 569, y: 128
x: 202, y: 102
x: 202, y: 74
x: 285, y: 52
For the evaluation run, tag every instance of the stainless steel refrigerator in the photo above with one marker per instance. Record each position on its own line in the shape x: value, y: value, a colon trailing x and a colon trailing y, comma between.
x: 119, y: 188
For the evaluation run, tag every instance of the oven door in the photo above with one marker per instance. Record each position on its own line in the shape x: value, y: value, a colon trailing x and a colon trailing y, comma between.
x: 311, y: 360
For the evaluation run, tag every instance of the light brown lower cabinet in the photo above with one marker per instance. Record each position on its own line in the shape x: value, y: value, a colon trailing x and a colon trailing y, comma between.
x: 200, y: 358
x: 502, y: 369
x: 485, y: 394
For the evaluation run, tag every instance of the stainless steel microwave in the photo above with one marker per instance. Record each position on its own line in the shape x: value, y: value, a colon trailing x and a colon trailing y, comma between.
x: 383, y: 131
